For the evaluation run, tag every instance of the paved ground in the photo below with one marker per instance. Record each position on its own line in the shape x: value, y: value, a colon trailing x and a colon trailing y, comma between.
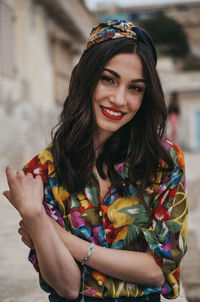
x: 191, y: 262
x: 19, y: 283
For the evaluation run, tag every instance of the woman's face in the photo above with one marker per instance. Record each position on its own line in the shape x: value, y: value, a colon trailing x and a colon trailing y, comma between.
x: 118, y: 95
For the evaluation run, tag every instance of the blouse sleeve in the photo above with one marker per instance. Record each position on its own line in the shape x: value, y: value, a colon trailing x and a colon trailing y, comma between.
x: 168, y: 233
x: 42, y: 165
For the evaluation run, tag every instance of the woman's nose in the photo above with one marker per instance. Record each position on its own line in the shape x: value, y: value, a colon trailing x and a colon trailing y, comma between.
x: 119, y: 97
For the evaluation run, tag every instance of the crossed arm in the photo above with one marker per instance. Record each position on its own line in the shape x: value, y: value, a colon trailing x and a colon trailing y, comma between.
x: 57, y: 265
x: 58, y: 249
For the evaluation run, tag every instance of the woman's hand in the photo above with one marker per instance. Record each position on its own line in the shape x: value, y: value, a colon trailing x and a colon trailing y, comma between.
x: 57, y: 265
x: 26, y: 192
x: 25, y: 237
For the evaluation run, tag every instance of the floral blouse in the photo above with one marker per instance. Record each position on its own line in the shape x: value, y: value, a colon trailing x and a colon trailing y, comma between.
x: 122, y: 223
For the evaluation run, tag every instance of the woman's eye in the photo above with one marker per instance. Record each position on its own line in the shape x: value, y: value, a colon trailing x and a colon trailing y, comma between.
x: 106, y: 79
x: 136, y: 88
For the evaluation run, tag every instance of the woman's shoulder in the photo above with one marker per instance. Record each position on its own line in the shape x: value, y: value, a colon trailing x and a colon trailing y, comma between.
x: 41, y: 164
x: 175, y: 152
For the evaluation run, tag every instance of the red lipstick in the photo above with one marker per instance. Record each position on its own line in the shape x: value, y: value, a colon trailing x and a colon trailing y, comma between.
x: 109, y: 115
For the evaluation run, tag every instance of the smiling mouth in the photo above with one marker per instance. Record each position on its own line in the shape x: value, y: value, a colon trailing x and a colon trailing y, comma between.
x: 112, y: 114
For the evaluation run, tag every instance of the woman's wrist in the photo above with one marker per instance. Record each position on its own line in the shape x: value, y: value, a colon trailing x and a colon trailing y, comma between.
x: 33, y: 216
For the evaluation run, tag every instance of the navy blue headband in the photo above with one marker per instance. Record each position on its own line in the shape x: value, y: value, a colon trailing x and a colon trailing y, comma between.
x: 147, y: 41
x: 120, y: 29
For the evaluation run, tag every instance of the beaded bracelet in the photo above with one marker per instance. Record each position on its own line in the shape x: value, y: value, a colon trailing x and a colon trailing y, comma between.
x: 83, y: 262
x: 90, y: 251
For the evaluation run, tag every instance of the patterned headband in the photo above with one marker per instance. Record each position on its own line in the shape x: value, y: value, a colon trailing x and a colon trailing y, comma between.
x: 120, y: 29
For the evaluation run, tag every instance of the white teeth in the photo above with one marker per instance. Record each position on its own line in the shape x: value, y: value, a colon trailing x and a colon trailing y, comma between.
x: 111, y: 112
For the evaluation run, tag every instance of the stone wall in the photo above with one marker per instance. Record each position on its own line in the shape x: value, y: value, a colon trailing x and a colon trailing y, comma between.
x: 188, y: 16
x: 39, y: 45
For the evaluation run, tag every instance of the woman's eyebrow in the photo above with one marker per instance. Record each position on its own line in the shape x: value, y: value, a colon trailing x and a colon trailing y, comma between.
x: 116, y: 75
x: 139, y: 80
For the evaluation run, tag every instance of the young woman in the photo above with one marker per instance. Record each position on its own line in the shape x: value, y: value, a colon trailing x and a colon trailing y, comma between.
x: 103, y: 207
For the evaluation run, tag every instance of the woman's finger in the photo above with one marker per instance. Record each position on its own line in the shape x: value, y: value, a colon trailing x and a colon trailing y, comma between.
x: 23, y: 233
x: 27, y: 243
x: 30, y: 175
x: 25, y: 237
x: 22, y: 224
x: 20, y: 173
x: 38, y: 177
x: 10, y: 174
x: 7, y: 195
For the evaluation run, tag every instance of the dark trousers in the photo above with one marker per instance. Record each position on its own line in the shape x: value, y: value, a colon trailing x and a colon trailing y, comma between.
x: 146, y: 298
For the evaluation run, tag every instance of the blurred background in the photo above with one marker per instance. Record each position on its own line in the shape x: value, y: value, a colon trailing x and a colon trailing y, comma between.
x: 40, y: 43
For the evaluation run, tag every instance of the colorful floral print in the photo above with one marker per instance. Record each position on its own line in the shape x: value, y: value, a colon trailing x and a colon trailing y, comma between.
x: 122, y: 223
x: 111, y: 30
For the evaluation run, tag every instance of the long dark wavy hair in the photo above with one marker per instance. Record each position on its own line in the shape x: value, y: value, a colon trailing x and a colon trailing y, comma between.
x: 139, y: 142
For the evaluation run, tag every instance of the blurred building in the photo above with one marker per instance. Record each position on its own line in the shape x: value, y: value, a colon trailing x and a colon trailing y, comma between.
x: 40, y: 41
x: 173, y: 77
